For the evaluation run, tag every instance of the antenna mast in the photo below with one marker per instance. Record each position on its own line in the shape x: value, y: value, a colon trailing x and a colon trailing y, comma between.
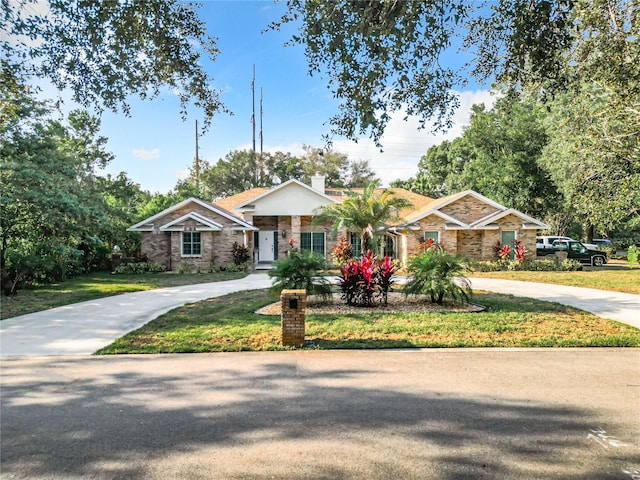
x: 261, y: 137
x: 253, y: 111
x: 197, y: 162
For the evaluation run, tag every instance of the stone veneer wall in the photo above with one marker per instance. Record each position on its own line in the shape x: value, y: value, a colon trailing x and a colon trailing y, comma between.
x: 156, y: 247
x: 468, y: 209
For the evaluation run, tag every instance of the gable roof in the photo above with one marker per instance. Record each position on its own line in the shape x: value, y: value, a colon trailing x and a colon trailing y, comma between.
x: 247, y: 203
x: 147, y: 224
x: 231, y: 202
x: 438, y: 203
x: 433, y: 208
x: 178, y: 223
x: 528, y: 222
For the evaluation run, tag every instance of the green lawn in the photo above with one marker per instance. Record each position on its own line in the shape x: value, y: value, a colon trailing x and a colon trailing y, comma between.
x: 615, y: 276
x: 230, y: 324
x: 97, y: 285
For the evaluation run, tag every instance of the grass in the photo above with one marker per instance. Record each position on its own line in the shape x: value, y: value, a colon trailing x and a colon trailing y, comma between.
x: 229, y: 323
x: 97, y: 285
x: 615, y: 276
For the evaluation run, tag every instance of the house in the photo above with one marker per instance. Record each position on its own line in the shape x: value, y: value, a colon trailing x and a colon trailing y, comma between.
x: 267, y: 219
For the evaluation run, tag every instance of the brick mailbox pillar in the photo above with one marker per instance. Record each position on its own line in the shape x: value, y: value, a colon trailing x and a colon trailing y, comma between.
x: 294, y: 305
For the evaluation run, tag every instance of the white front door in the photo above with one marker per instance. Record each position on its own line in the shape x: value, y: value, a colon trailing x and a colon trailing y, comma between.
x: 266, y: 246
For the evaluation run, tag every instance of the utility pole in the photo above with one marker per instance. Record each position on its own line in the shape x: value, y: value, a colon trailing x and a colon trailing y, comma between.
x: 197, y: 163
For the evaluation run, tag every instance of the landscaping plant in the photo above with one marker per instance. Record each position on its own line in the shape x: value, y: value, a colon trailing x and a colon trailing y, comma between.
x: 438, y: 274
x: 300, y: 270
x: 240, y: 254
x: 363, y: 279
x: 342, y: 252
x: 632, y: 255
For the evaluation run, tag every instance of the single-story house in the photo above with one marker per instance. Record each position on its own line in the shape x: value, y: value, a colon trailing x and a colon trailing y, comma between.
x: 267, y: 219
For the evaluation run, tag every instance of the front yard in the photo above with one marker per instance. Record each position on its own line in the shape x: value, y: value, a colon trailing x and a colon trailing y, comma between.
x: 230, y: 324
x: 615, y: 276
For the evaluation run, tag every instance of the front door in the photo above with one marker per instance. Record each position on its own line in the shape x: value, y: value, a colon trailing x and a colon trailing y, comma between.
x: 266, y: 248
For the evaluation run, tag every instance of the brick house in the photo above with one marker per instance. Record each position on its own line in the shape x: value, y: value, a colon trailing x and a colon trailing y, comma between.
x: 266, y: 219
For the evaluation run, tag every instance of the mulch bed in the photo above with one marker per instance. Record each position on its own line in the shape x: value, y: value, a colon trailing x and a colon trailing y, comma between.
x: 397, y: 303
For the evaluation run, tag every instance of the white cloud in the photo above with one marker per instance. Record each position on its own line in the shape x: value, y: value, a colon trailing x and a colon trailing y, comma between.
x: 404, y: 143
x: 181, y: 174
x: 146, y: 154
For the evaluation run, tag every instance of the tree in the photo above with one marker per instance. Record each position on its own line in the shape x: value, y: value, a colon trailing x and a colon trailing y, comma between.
x: 498, y: 155
x: 386, y: 56
x: 238, y: 171
x: 364, y: 214
x: 49, y: 210
x: 106, y: 51
x: 241, y: 170
x: 594, y: 155
x: 49, y: 206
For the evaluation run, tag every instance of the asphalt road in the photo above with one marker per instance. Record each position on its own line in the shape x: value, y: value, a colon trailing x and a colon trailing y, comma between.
x: 417, y: 414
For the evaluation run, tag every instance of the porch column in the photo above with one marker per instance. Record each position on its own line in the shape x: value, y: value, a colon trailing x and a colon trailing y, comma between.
x: 295, y: 229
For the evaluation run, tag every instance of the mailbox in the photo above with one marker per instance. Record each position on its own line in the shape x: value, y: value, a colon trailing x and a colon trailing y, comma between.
x: 294, y: 303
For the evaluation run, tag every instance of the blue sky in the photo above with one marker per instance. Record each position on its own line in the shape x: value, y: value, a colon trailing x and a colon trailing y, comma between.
x: 155, y: 147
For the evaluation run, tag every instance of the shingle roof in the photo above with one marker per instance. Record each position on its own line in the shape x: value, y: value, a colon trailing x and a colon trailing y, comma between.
x: 229, y: 203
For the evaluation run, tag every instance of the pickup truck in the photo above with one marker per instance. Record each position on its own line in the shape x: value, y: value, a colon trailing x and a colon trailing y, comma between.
x: 577, y: 251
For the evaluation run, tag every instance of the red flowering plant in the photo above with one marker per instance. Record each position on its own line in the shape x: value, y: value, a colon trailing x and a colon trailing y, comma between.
x: 342, y: 252
x: 519, y: 250
x: 365, y: 278
x: 502, y: 251
x: 385, y: 270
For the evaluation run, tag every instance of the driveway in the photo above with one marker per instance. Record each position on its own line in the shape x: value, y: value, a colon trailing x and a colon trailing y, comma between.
x: 83, y: 328
x: 623, y: 307
x: 442, y: 414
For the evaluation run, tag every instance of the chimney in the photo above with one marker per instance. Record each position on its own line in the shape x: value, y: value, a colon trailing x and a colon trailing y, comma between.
x: 317, y: 182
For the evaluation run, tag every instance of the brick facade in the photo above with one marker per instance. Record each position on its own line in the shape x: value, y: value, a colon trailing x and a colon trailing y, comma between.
x: 216, y: 246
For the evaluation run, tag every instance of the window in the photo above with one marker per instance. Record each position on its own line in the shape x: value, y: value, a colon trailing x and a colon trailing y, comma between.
x: 435, y: 236
x: 388, y: 247
x: 356, y: 245
x: 508, y: 237
x: 312, y: 241
x: 191, y: 245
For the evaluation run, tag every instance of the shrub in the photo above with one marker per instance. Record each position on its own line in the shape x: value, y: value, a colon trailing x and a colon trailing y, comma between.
x: 155, y: 267
x: 133, y: 268
x: 632, y: 255
x: 240, y: 254
x: 571, y: 265
x: 363, y: 279
x: 233, y: 267
x: 300, y: 270
x: 342, y: 252
x: 438, y: 274
x: 185, y: 268
x: 534, y: 265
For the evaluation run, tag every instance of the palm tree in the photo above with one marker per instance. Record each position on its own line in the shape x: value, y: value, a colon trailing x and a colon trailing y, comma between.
x: 365, y: 214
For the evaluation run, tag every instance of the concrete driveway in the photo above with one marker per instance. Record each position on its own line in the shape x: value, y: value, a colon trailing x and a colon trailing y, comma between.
x: 84, y: 328
x: 622, y: 307
x: 542, y: 414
